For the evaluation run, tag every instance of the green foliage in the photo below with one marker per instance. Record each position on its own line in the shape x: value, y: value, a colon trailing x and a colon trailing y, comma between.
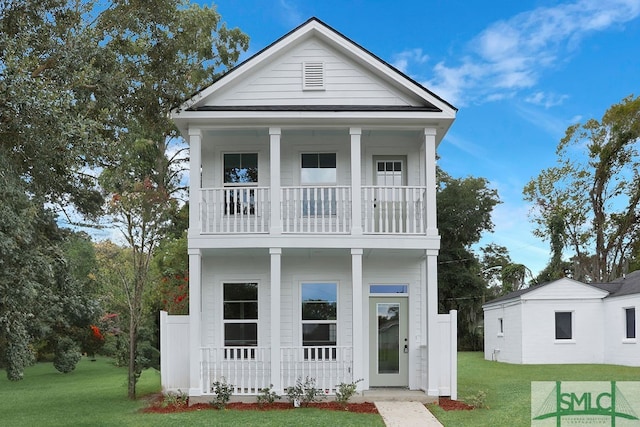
x: 67, y: 355
x: 587, y: 203
x: 345, y: 391
x: 172, y: 398
x: 464, y: 213
x: 478, y: 400
x: 304, y: 392
x: 223, y: 392
x: 267, y: 395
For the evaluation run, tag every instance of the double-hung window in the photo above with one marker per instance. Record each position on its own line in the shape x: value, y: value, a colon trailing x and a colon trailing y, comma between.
x: 318, y: 174
x: 240, y: 172
x: 630, y: 322
x: 319, y: 319
x: 564, y: 329
x: 240, y: 310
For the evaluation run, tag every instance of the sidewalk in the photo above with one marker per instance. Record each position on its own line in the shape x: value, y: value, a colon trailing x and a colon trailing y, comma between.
x: 406, y: 414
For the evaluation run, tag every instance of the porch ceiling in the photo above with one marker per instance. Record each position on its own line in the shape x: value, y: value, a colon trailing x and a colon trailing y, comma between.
x: 316, y: 252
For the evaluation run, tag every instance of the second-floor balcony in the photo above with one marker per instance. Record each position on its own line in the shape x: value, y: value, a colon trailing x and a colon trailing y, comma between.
x: 314, y: 210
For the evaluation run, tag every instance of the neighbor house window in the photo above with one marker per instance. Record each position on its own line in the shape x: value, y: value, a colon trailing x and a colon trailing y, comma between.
x: 630, y: 319
x: 500, y: 326
x: 319, y: 319
x: 563, y: 325
x: 240, y: 308
x: 318, y: 170
x: 240, y: 170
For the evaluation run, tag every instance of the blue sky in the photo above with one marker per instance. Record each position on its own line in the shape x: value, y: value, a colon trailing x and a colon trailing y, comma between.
x: 520, y: 73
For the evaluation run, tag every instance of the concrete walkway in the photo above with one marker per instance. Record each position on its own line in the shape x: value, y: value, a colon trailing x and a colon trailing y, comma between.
x: 406, y: 414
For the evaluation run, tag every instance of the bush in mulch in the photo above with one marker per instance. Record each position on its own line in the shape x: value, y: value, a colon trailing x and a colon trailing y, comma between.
x: 158, y: 405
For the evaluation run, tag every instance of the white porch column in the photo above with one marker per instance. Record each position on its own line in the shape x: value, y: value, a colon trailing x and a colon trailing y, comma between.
x: 276, y: 277
x: 195, y: 318
x: 430, y: 179
x: 432, y: 321
x: 356, y: 181
x: 274, y: 187
x: 195, y: 177
x: 358, y: 320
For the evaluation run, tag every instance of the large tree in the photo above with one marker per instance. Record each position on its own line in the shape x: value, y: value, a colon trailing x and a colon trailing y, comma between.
x: 79, y: 82
x: 589, y: 202
x: 178, y: 50
x: 464, y: 213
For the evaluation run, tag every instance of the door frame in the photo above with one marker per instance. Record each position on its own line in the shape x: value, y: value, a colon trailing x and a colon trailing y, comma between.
x: 400, y: 379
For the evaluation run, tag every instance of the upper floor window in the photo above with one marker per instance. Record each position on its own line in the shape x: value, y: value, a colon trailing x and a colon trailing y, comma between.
x: 564, y: 329
x: 240, y: 168
x: 318, y: 168
x: 630, y: 320
x: 240, y: 308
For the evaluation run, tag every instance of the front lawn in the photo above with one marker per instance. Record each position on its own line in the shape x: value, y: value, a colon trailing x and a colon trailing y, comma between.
x: 508, y: 388
x: 95, y: 394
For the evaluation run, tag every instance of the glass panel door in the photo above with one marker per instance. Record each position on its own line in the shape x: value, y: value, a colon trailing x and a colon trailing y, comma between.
x: 388, y: 338
x: 388, y: 341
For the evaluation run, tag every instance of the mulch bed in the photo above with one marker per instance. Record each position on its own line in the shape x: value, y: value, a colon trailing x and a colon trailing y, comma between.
x: 156, y: 406
x: 453, y: 405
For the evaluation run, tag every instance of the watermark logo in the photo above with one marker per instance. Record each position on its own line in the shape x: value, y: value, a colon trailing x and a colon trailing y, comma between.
x: 585, y: 403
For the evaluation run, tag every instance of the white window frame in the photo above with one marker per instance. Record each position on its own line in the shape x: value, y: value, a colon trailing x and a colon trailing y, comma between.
x: 573, y: 326
x: 626, y: 338
x: 225, y: 321
x: 500, y: 326
x: 313, y: 321
x: 241, y: 184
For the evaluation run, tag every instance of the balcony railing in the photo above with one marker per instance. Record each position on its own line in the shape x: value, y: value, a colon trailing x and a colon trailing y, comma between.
x: 248, y: 368
x: 393, y: 210
x: 235, y: 210
x: 313, y: 210
x: 316, y: 209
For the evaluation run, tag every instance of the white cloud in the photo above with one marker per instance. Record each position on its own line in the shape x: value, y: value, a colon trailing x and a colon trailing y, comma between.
x: 546, y: 100
x: 511, y: 55
x: 411, y: 56
x: 290, y: 13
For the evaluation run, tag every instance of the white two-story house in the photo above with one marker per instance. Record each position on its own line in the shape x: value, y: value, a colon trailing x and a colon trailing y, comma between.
x: 313, y: 241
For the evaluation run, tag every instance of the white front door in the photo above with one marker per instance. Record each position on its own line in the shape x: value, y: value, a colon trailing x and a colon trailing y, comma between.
x: 388, y: 342
x: 390, y: 198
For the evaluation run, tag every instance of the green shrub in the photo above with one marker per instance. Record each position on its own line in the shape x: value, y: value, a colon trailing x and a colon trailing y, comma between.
x: 223, y: 392
x: 178, y: 398
x: 67, y: 355
x: 304, y: 392
x: 267, y: 395
x: 478, y: 400
x: 345, y: 391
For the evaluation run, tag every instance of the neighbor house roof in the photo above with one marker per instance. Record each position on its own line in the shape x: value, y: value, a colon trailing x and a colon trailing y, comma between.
x: 628, y: 284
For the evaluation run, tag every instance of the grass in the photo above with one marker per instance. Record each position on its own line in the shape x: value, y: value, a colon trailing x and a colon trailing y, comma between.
x: 95, y: 394
x: 508, y: 388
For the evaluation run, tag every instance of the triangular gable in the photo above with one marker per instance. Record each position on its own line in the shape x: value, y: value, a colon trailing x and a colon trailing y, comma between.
x: 273, y: 78
x: 565, y: 289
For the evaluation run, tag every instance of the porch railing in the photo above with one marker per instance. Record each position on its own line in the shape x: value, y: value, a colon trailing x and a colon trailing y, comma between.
x: 235, y: 210
x: 316, y: 209
x: 246, y: 368
x: 393, y: 210
x: 329, y: 366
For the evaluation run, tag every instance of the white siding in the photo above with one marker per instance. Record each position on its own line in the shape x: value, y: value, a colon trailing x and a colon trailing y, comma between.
x: 279, y: 82
x: 539, y: 343
x: 565, y: 289
x: 505, y: 346
x: 617, y: 349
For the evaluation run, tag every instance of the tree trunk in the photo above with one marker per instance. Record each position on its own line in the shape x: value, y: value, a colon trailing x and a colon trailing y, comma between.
x: 133, y: 348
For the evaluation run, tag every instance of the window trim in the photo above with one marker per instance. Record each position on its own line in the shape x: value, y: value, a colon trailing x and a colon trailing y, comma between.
x: 319, y: 183
x: 500, y: 326
x: 225, y: 321
x: 625, y: 317
x: 335, y: 321
x: 571, y: 339
x: 241, y: 184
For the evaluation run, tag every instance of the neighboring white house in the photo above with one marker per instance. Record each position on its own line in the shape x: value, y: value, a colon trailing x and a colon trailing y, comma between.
x: 565, y: 321
x: 312, y: 233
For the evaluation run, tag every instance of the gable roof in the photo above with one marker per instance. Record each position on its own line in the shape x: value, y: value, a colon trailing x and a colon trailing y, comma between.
x: 628, y: 284
x: 425, y: 100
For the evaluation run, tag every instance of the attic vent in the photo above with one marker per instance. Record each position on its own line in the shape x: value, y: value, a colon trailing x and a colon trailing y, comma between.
x: 313, y: 75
